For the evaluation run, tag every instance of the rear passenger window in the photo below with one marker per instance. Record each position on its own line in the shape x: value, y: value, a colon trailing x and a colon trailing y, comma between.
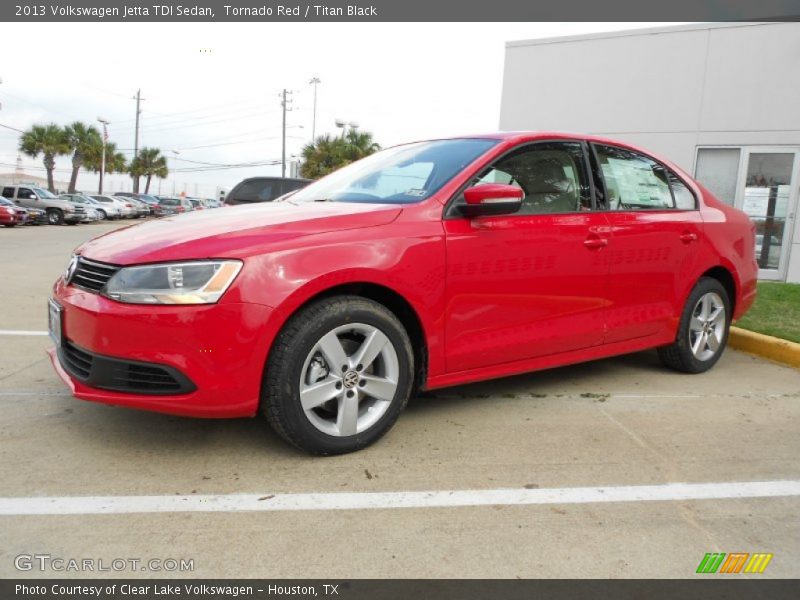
x: 633, y: 181
x: 684, y: 198
x: 8, y: 192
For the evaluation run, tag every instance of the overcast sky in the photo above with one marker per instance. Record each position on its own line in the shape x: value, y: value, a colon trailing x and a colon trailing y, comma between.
x: 216, y: 85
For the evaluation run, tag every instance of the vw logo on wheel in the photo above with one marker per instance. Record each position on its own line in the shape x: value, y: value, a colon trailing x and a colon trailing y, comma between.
x: 71, y: 267
x: 350, y: 379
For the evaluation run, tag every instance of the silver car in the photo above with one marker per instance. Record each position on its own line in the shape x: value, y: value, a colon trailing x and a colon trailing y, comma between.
x: 89, y: 207
x: 114, y: 207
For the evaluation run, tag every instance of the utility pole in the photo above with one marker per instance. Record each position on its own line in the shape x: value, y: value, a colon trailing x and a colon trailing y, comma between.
x: 314, y: 81
x: 105, y: 123
x: 284, y: 105
x: 138, y: 98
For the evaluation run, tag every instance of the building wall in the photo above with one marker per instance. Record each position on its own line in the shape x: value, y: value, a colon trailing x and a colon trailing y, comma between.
x: 668, y: 89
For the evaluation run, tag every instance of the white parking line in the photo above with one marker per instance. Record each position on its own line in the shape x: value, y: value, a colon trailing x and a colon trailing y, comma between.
x: 101, y: 505
x: 21, y: 332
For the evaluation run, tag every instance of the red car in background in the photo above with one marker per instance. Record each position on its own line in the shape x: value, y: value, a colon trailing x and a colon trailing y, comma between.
x: 425, y: 265
x: 12, y: 215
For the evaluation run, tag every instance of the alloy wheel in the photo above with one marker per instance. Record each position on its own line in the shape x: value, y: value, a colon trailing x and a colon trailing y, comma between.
x: 349, y: 379
x: 707, y: 326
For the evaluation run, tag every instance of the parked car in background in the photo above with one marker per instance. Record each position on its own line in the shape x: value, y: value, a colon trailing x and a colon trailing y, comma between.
x: 37, y: 216
x: 113, y: 209
x: 173, y: 205
x: 211, y: 203
x: 58, y: 210
x: 263, y: 189
x: 425, y: 265
x: 196, y: 203
x: 12, y: 215
x: 91, y: 213
x: 141, y: 209
x: 151, y: 201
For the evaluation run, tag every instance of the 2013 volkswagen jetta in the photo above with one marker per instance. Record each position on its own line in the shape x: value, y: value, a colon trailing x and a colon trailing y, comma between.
x: 425, y: 265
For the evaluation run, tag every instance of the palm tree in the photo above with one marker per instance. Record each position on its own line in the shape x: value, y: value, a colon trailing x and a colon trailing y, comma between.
x: 115, y: 161
x: 149, y: 163
x: 327, y: 153
x: 358, y: 144
x: 83, y: 141
x: 48, y: 140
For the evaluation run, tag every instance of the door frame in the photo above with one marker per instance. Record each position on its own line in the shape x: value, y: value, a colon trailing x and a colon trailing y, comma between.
x: 745, y: 150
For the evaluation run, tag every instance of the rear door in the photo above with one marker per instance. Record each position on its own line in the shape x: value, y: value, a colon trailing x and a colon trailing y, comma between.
x: 531, y: 283
x: 655, y: 227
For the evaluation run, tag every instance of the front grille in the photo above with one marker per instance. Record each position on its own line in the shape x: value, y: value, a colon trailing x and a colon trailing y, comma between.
x: 91, y: 275
x: 146, y: 378
x: 79, y: 209
x: 120, y: 375
x: 78, y: 362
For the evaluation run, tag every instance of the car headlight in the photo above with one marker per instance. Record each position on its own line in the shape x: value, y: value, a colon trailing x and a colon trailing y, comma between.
x: 197, y: 282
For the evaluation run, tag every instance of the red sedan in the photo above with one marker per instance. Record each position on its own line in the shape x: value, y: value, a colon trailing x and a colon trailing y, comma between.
x: 11, y: 214
x: 425, y: 265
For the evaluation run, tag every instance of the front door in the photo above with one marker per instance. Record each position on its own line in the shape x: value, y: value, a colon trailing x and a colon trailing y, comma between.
x: 767, y: 192
x: 531, y: 283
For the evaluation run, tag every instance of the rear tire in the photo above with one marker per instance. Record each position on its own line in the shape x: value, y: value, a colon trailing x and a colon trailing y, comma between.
x: 702, y: 331
x: 9, y: 224
x: 338, y: 376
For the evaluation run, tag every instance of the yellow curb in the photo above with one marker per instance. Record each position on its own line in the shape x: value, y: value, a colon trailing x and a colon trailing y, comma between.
x: 782, y: 351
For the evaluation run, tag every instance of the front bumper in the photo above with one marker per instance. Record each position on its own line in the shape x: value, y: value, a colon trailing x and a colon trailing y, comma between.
x: 74, y: 217
x: 220, y: 349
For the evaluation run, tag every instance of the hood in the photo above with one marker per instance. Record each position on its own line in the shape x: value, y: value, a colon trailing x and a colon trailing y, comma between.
x: 231, y: 232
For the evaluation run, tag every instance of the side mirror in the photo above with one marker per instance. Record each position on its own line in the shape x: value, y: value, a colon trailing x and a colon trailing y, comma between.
x: 489, y: 199
x: 32, y: 197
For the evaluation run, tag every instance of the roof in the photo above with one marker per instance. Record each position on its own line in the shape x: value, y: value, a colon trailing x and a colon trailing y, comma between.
x: 634, y: 32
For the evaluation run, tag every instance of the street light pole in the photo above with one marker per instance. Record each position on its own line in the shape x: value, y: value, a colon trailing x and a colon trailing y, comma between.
x: 314, y: 81
x: 284, y: 105
x: 105, y: 123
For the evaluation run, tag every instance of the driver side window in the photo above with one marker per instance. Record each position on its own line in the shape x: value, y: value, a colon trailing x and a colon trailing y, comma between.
x: 552, y: 175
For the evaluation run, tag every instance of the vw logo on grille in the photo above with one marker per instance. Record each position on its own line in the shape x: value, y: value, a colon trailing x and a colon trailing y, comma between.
x: 71, y: 267
x: 350, y: 379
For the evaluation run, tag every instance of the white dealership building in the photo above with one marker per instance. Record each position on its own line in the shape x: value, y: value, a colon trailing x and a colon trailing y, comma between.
x: 720, y: 100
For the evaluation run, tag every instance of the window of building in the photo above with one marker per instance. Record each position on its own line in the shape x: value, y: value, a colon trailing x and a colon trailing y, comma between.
x: 718, y: 169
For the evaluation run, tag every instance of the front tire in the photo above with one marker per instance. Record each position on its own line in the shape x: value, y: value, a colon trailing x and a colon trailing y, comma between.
x: 703, y: 329
x: 339, y: 375
x: 55, y: 216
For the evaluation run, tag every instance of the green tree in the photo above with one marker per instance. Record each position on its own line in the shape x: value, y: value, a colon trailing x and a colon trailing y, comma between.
x: 149, y: 163
x: 328, y: 153
x: 48, y: 140
x: 83, y: 140
x: 115, y: 161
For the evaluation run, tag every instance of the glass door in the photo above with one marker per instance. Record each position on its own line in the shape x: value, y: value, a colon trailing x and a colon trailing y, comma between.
x: 767, y: 192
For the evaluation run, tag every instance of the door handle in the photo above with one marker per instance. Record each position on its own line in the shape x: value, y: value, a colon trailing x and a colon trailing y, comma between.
x: 688, y: 237
x: 595, y: 242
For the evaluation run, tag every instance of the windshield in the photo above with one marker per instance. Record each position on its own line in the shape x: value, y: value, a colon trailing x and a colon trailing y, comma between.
x: 399, y: 175
x: 43, y: 193
x: 170, y: 201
